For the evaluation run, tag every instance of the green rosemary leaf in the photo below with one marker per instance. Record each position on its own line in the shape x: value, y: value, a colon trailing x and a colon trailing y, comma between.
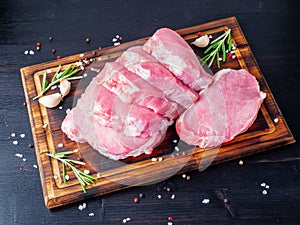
x: 216, y: 46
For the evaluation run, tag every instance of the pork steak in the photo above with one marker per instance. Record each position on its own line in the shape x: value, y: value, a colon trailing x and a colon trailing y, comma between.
x: 225, y: 109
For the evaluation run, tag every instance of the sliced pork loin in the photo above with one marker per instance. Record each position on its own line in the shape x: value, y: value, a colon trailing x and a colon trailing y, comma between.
x: 115, y: 128
x: 225, y: 109
x: 147, y: 67
x: 170, y: 49
x: 131, y: 88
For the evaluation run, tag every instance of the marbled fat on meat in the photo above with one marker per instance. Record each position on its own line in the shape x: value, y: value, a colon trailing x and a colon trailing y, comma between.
x: 170, y: 49
x: 147, y: 67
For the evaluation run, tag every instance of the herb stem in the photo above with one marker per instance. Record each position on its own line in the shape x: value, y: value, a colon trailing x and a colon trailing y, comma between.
x: 84, y: 179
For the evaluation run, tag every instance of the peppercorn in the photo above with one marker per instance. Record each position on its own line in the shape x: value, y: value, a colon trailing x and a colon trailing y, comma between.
x: 38, y: 44
x: 239, y: 57
x: 59, y: 57
x: 53, y: 50
x: 50, y: 38
x: 136, y: 200
x: 87, y: 40
x: 199, y: 34
x: 170, y: 218
x: 24, y: 103
x: 30, y: 145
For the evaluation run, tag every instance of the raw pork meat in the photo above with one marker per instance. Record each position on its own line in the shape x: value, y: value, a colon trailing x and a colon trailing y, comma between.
x: 170, y: 49
x: 226, y: 108
x: 131, y: 88
x: 147, y: 67
x: 113, y: 127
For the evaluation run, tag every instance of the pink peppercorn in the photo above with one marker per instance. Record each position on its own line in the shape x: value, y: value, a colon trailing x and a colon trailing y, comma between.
x: 239, y: 57
x: 199, y: 34
x: 20, y: 168
x: 170, y: 218
x: 136, y: 200
x: 53, y: 50
x: 59, y: 57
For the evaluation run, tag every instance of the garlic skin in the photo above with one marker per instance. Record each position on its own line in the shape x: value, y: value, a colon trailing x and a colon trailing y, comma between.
x: 201, y: 42
x: 64, y: 87
x: 50, y: 101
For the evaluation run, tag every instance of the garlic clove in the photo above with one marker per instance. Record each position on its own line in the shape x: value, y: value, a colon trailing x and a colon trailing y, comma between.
x: 202, y: 41
x: 50, y: 101
x: 64, y: 87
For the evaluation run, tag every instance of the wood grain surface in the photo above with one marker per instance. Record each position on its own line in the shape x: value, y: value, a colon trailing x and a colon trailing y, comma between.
x: 270, y: 27
x: 264, y: 134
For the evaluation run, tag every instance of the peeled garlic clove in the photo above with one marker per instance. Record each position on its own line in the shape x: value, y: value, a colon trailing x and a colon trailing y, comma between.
x: 50, y: 101
x: 202, y: 41
x: 64, y: 87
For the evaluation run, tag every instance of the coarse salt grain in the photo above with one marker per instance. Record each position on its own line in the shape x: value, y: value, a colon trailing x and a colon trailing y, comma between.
x: 128, y: 219
x: 86, y: 171
x: 24, y: 160
x: 264, y: 192
x: 175, y: 141
x: 48, y: 71
x: 220, y: 59
x: 19, y: 155
x: 31, y: 52
x: 176, y: 148
x: 205, y: 201
x: 154, y: 159
x: 116, y: 43
x: 173, y: 196
x: 60, y: 145
x: 159, y: 196
x: 263, y: 184
x: 160, y: 159
x: 276, y: 120
x: 75, y: 150
x: 68, y: 110
x: 81, y: 55
x: 84, y: 205
x: 124, y: 221
x: 233, y: 56
x: 241, y: 162
x: 53, y: 87
x: 267, y: 186
x: 170, y: 223
x: 26, y: 52
x: 114, y: 39
x: 22, y: 135
x: 35, y: 166
x: 67, y: 177
x: 85, y: 75
x: 80, y: 207
x: 98, y: 175
x: 91, y: 214
x: 15, y: 142
x: 44, y: 125
x: 55, y: 177
x: 60, y: 107
x: 117, y: 36
x: 210, y: 36
x: 13, y: 134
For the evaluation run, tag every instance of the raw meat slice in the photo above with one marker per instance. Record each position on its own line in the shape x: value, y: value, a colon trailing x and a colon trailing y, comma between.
x: 226, y: 108
x: 170, y: 49
x: 112, y: 127
x: 131, y: 88
x: 147, y: 67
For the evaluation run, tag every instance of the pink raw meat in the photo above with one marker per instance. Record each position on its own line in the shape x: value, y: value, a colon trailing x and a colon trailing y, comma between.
x: 131, y: 88
x: 170, y: 49
x: 147, y: 67
x: 114, y: 128
x: 226, y: 108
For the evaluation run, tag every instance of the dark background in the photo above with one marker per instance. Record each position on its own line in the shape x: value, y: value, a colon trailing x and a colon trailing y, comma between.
x: 272, y: 31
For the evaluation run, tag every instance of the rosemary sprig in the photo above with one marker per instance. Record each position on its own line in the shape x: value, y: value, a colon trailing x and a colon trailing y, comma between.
x: 58, y: 76
x: 215, y: 47
x: 84, y: 179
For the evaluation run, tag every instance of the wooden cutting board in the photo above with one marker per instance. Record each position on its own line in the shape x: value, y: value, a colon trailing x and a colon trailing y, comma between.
x: 268, y: 131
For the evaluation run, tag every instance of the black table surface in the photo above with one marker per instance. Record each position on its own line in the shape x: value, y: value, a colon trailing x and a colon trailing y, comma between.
x: 272, y: 30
